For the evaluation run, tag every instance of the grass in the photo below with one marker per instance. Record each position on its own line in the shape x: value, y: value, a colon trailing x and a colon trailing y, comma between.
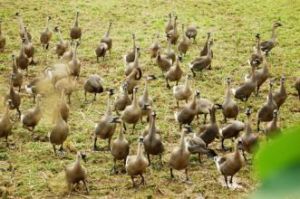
x: 37, y: 173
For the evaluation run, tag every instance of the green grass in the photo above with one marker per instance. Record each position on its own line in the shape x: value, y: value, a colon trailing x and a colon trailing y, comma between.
x: 37, y: 173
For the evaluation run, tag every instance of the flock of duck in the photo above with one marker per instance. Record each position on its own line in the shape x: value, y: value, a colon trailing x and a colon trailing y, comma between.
x: 63, y: 78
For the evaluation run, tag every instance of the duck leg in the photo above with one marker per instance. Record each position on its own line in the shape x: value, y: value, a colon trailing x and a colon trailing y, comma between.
x: 113, y: 169
x: 258, y: 124
x: 143, y: 179
x: 124, y: 126
x: 223, y: 146
x: 85, y: 96
x: 199, y: 158
x: 133, y: 183
x: 86, y: 187
x: 167, y: 83
x: 186, y: 175
x: 54, y: 149
x: 133, y: 127
x: 160, y: 158
x: 6, y: 139
x: 19, y: 112
x: 148, y: 157
x: 205, y: 117
x: 171, y: 173
x: 194, y: 74
x: 230, y: 181
x: 95, y: 96
x: 95, y: 144
x: 226, y: 182
x: 244, y: 155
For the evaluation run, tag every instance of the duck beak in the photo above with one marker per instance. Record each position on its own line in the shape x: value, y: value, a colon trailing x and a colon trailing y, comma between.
x: 115, y: 120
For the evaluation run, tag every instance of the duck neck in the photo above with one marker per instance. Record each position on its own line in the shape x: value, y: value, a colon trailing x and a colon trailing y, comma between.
x: 273, y: 38
x: 213, y: 115
x: 175, y: 25
x: 183, y: 33
x: 270, y: 96
x: 26, y: 36
x: 248, y: 126
x: 121, y: 134
x: 140, y: 150
x: 134, y: 102
x: 145, y: 93
x: 133, y: 41
x: 182, y: 141
x: 177, y: 65
x: 108, y: 30
x: 186, y: 83
x: 76, y: 19
x: 136, y: 57
x: 22, y: 28
x: 108, y: 108
x: 208, y: 50
x: 194, y: 103
x: 14, y: 66
x: 75, y: 52
x: 228, y: 93
x: 152, y: 126
x: 47, y: 23
x: 258, y: 46
x: 282, y: 87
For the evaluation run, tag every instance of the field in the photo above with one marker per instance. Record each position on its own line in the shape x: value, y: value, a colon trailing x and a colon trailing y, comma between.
x: 29, y: 169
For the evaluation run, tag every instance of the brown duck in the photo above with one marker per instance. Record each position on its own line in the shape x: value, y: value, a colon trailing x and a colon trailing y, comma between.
x: 2, y: 38
x: 6, y: 124
x: 175, y: 73
x: 62, y: 46
x: 75, y: 31
x: 16, y: 75
x: 46, y: 35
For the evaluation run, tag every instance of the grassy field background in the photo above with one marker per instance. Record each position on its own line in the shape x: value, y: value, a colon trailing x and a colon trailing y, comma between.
x: 37, y: 173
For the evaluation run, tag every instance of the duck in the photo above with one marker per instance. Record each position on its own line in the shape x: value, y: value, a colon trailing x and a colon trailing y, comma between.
x: 203, y: 106
x: 265, y: 113
x: 163, y: 62
x: 23, y: 29
x: 272, y: 129
x: 68, y: 85
x: 29, y: 49
x: 75, y: 64
x: 106, y: 38
x: 122, y: 99
x: 31, y: 118
x: 75, y: 31
x: 231, y: 130
x: 204, y: 51
x: 169, y: 26
x: 184, y: 43
x: 14, y: 99
x: 46, y: 35
x: 132, y: 80
x: 229, y: 107
x: 2, y: 39
x: 120, y: 146
x: 93, y: 85
x: 191, y: 32
x: 244, y: 91
x: 59, y: 132
x: 22, y: 60
x: 105, y: 129
x: 16, y: 75
x: 210, y: 131
x: 196, y: 145
x: 76, y: 173
x: 297, y: 86
x: 152, y: 141
x: 62, y: 46
x: 179, y: 157
x: 249, y: 140
x: 173, y: 35
x: 256, y: 58
x: 187, y: 114
x: 229, y: 164
x: 267, y: 46
x: 281, y: 94
x: 101, y: 50
x: 170, y: 53
x: 155, y: 46
x: 203, y: 62
x: 182, y: 92
x: 175, y: 73
x: 130, y: 56
x: 63, y: 107
x: 133, y: 112
x: 5, y: 124
x: 145, y: 99
x: 135, y: 64
x: 262, y: 75
x: 137, y: 164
